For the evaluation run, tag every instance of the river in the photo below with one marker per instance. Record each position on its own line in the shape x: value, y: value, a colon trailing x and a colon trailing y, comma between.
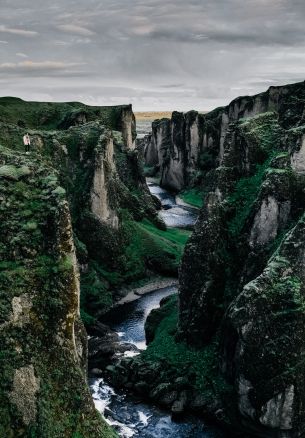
x: 175, y: 212
x: 127, y: 414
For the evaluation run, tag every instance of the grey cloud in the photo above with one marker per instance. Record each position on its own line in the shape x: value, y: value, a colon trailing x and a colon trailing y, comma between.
x: 21, y: 32
x: 41, y: 68
x: 155, y: 54
x: 75, y: 29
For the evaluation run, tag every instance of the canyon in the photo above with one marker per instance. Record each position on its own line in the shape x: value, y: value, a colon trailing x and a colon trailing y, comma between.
x: 80, y: 227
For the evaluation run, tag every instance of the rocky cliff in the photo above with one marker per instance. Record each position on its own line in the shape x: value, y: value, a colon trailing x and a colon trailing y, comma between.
x: 241, y: 279
x: 184, y: 148
x: 71, y: 217
x: 94, y: 150
x: 43, y: 390
x: 173, y: 149
x: 233, y: 347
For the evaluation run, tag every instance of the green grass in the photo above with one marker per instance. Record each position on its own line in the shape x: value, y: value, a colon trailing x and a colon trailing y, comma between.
x: 151, y: 247
x: 174, y: 235
x: 200, y: 365
x: 144, y: 249
x: 193, y: 197
x: 51, y: 115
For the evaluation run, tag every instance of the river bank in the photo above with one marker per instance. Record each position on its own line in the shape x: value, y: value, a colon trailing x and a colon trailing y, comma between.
x: 125, y: 405
x: 123, y: 338
x: 134, y: 293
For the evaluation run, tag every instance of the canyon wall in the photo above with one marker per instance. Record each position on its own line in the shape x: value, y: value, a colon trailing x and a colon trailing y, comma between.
x: 242, y: 279
x: 66, y: 211
x: 43, y: 389
x: 236, y: 352
x: 93, y: 149
x: 182, y: 149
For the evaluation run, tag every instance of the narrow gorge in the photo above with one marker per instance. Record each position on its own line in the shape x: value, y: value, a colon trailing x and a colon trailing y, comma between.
x: 206, y: 214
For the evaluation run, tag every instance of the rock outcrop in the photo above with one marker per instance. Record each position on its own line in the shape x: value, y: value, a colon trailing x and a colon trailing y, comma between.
x: 103, y: 172
x: 184, y: 148
x: 238, y: 283
x: 173, y: 149
x: 43, y: 390
x: 263, y: 344
x: 64, y: 248
x: 93, y: 149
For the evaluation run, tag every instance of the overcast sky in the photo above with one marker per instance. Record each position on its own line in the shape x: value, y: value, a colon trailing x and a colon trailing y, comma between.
x: 155, y: 54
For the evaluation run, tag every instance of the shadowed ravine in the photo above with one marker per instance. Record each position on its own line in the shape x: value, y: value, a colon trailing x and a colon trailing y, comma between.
x: 126, y: 414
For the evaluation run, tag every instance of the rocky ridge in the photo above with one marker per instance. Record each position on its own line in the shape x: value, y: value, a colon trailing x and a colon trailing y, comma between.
x: 43, y: 390
x: 67, y: 246
x: 241, y: 280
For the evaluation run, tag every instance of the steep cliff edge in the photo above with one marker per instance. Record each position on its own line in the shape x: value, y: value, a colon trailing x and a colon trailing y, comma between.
x: 43, y: 390
x: 233, y: 345
x: 94, y: 150
x: 229, y: 292
x: 70, y: 238
x: 187, y: 147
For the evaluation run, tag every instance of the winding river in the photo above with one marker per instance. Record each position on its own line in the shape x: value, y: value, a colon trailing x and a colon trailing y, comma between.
x: 127, y: 414
x: 175, y: 212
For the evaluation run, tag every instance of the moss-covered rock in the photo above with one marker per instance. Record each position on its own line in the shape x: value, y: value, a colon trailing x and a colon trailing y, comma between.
x: 241, y: 279
x: 100, y: 174
x: 264, y: 343
x: 43, y: 390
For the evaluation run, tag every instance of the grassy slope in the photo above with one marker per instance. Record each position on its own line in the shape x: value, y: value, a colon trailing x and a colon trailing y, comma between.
x: 199, y: 366
x: 145, y: 249
x: 49, y: 115
x: 193, y: 197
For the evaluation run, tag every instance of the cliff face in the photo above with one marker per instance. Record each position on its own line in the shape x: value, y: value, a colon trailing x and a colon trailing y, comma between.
x: 173, y: 149
x: 44, y: 286
x: 187, y: 146
x: 43, y: 389
x: 104, y: 170
x: 93, y: 149
x: 241, y: 279
x: 263, y: 344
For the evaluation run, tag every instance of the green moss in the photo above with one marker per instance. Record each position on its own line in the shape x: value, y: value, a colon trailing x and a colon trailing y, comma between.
x: 35, y: 266
x: 243, y: 197
x: 14, y: 172
x: 59, y: 191
x: 200, y: 365
x: 30, y: 226
x: 96, y: 296
x: 263, y: 131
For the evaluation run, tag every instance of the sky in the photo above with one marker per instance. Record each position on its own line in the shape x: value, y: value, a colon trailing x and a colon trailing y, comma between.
x: 156, y: 54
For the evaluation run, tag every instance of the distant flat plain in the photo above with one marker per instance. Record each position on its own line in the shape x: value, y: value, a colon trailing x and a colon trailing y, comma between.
x: 153, y: 115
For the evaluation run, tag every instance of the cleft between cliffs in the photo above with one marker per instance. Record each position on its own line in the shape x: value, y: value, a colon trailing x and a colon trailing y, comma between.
x: 232, y: 347
x: 77, y: 223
